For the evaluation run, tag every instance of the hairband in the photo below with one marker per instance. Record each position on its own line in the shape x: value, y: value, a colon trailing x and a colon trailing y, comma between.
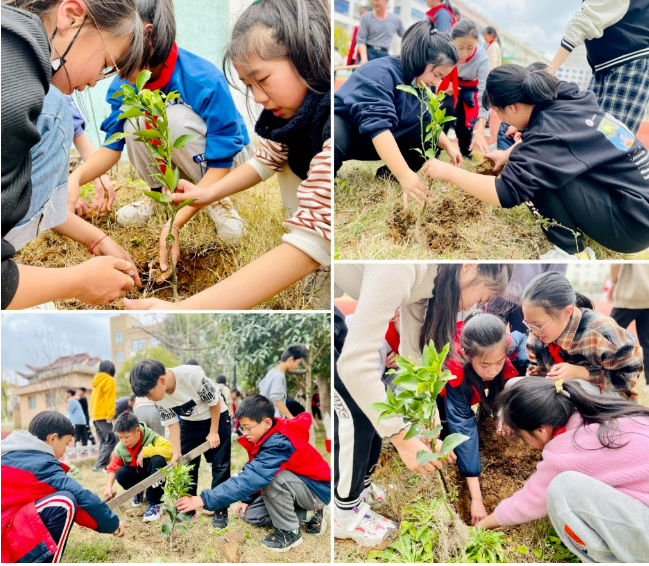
x: 558, y: 385
x: 432, y: 31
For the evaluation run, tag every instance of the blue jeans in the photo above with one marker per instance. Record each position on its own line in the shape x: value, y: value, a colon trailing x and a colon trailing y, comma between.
x: 50, y: 163
x: 503, y: 141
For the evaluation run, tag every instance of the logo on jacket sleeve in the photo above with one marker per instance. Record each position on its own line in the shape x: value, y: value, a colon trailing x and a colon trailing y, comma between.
x: 616, y: 132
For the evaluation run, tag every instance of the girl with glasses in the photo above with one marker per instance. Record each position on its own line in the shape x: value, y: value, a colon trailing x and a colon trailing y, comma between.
x: 51, y: 48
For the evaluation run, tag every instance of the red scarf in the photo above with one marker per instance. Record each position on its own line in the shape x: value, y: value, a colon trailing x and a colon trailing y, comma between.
x: 392, y: 337
x: 452, y: 77
x: 554, y: 350
x: 558, y: 431
x: 433, y: 11
x: 490, y: 42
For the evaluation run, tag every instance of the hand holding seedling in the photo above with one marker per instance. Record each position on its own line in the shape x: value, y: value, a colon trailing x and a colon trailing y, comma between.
x: 189, y: 503
x: 414, y: 188
x: 201, y: 196
x: 436, y: 169
x: 164, y: 246
x: 567, y: 371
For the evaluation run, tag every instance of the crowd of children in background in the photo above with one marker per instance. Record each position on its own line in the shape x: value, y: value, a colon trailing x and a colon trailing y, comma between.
x: 573, y: 390
x: 571, y: 156
x: 285, y: 484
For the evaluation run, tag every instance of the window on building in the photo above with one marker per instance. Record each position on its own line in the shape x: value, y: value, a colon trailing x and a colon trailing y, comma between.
x: 137, y: 346
x: 119, y: 337
x: 397, y: 10
x: 341, y: 6
x: 50, y: 400
x: 154, y: 343
x: 119, y: 357
x: 32, y: 402
x: 416, y: 14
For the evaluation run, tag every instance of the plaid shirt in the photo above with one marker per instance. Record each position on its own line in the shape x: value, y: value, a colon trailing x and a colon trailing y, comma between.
x: 611, y: 353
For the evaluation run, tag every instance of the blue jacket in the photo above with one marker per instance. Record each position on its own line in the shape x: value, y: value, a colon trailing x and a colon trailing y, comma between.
x: 369, y: 99
x: 258, y: 473
x: 76, y: 412
x: 204, y: 89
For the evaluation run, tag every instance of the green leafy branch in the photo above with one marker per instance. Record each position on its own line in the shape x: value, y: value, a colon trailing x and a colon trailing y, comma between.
x: 151, y: 105
x: 177, y: 483
x: 416, y: 403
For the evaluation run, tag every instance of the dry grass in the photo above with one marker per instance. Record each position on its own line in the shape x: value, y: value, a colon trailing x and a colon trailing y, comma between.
x: 143, y: 542
x: 205, y: 259
x: 370, y: 223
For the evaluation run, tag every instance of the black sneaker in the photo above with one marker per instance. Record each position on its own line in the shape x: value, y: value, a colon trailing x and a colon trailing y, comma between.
x: 316, y: 525
x: 220, y: 520
x: 384, y: 174
x: 282, y: 541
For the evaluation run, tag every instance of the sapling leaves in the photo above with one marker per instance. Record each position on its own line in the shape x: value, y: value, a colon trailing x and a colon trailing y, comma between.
x: 182, y: 141
x: 184, y: 203
x: 142, y: 79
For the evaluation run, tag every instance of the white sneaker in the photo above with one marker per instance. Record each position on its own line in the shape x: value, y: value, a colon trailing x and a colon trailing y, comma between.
x: 374, y: 495
x: 230, y: 227
x: 137, y: 213
x: 364, y: 526
x: 558, y: 253
x: 451, y: 134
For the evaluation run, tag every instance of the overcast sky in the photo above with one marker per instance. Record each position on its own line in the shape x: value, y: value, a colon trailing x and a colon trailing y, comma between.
x: 540, y: 23
x: 29, y: 337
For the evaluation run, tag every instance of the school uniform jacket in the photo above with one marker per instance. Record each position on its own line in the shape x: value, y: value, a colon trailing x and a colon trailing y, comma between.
x: 150, y: 444
x: 615, y: 32
x: 29, y: 472
x: 570, y: 141
x: 284, y: 447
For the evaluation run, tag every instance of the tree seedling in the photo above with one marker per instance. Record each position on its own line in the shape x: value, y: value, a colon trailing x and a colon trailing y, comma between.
x: 417, y: 406
x: 140, y: 102
x: 429, y: 103
x: 177, y: 483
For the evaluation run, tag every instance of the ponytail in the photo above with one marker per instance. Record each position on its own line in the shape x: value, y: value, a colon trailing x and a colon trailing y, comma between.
x: 423, y: 45
x: 534, y: 402
x: 442, y: 308
x: 492, y: 31
x: 160, y: 13
x: 509, y: 84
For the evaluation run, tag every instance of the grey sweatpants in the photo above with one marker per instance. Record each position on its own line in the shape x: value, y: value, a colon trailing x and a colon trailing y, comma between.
x: 107, y: 441
x: 596, y: 521
x: 283, y: 503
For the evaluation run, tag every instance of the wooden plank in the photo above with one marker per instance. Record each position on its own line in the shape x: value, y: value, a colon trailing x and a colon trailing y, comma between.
x: 153, y: 478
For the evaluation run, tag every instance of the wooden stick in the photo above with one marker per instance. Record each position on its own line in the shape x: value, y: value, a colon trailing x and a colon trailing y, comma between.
x: 153, y: 478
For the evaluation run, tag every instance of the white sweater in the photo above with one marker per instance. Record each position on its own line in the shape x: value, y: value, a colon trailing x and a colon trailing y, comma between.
x: 380, y: 290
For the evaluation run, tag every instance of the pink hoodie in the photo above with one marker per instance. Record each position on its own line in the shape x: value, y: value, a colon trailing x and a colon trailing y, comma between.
x: 626, y: 468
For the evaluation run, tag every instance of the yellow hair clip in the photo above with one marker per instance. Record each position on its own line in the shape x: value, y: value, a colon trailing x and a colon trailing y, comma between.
x: 558, y: 385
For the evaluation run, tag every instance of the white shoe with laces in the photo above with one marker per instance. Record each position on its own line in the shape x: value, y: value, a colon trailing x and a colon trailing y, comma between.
x: 558, y: 253
x: 230, y: 227
x: 364, y: 526
x: 137, y: 213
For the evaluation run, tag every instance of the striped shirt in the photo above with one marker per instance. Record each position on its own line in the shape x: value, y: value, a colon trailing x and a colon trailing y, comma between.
x: 592, y: 340
x: 307, y: 203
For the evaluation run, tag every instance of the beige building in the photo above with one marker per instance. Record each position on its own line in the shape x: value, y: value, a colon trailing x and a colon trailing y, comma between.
x: 45, y: 390
x: 128, y: 337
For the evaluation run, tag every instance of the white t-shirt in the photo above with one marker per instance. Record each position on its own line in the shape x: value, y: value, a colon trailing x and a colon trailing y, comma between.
x: 273, y: 387
x: 195, y: 393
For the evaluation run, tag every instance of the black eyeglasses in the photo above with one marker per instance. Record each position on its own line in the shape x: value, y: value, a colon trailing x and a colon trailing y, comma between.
x: 245, y: 431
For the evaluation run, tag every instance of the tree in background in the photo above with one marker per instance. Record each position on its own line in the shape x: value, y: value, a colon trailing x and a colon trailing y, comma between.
x: 160, y: 353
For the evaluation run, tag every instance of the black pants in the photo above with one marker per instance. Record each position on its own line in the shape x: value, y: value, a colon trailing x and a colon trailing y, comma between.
x: 128, y: 476
x: 81, y: 434
x: 107, y: 441
x: 593, y: 212
x: 193, y: 434
x: 624, y: 317
x: 464, y: 134
x: 350, y: 144
x: 357, y: 445
x: 57, y: 511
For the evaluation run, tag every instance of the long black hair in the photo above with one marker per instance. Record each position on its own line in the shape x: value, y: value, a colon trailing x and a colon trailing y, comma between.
x: 442, y: 308
x: 423, y: 45
x: 509, y: 84
x: 534, y: 402
x: 492, y: 31
x: 297, y: 30
x: 553, y: 292
x: 481, y: 332
x: 159, y: 13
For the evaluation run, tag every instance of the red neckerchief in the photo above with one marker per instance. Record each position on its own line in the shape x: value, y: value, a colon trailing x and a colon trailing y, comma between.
x: 167, y: 70
x: 431, y: 14
x: 392, y: 337
x: 558, y: 431
x: 490, y: 42
x: 453, y: 78
x: 135, y: 451
x: 554, y: 350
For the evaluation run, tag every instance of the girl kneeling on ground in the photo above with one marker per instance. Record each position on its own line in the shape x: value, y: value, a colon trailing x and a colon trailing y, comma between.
x: 376, y: 121
x: 484, y: 367
x: 49, y: 48
x: 568, y: 342
x: 592, y: 480
x: 577, y: 165
x: 281, y: 52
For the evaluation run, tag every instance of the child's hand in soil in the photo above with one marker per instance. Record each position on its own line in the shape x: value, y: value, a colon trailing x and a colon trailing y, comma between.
x: 109, y: 494
x: 213, y: 439
x: 147, y: 304
x: 120, y: 531
x: 102, y: 280
x: 241, y: 509
x: 567, y: 371
x: 203, y: 195
x: 99, y: 203
x: 478, y: 512
x: 175, y: 248
x: 109, y: 247
x: 189, y: 503
x: 499, y: 157
x: 414, y: 188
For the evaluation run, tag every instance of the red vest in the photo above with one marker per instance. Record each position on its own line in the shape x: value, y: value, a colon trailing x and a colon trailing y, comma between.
x: 432, y: 14
x: 306, y: 460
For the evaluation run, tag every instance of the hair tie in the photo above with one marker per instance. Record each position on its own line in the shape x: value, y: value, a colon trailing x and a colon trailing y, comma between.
x: 432, y: 31
x: 558, y: 385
